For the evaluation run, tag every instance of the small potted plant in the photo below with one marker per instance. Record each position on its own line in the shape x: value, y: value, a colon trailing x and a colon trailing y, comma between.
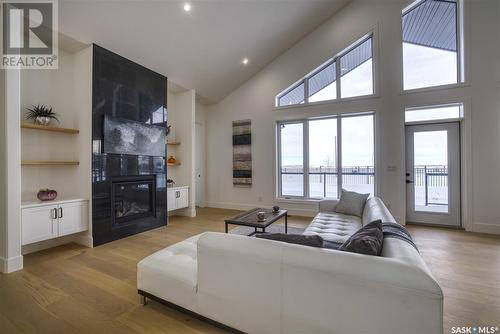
x: 170, y: 183
x: 41, y: 114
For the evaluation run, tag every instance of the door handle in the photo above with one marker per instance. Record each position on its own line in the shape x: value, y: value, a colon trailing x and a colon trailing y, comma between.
x: 60, y: 212
x: 409, y: 181
x: 54, y: 213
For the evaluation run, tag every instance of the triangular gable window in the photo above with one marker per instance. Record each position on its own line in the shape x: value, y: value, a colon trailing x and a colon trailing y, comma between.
x: 353, y: 68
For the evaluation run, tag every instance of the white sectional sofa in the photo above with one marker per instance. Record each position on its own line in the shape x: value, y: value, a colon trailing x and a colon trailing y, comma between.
x: 262, y: 286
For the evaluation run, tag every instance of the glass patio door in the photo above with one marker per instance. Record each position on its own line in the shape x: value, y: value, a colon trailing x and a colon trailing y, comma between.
x: 433, y: 174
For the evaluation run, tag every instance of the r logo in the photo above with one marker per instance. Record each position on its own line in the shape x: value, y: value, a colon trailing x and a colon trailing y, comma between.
x: 27, y: 28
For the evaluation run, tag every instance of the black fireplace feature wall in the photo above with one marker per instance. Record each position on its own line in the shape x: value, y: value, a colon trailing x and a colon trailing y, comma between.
x: 132, y: 197
x: 129, y: 193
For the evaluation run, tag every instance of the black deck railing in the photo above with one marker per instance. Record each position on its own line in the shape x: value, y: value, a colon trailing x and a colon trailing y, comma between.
x: 431, y: 176
x: 426, y: 176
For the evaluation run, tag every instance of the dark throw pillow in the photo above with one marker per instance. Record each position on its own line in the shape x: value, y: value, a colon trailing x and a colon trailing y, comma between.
x: 367, y: 240
x: 351, y: 203
x: 299, y: 239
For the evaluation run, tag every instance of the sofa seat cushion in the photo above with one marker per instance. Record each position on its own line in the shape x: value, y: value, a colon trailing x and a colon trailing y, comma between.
x: 171, y: 273
x: 333, y: 227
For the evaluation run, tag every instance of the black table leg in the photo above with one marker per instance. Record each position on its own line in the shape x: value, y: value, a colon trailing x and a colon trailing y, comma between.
x: 286, y: 223
x: 226, y: 227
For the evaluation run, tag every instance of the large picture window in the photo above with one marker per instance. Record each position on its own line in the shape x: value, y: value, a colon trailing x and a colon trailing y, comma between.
x: 319, y: 157
x: 431, y: 44
x: 348, y: 74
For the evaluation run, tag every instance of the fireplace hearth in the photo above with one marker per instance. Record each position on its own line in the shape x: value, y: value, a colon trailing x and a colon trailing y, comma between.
x: 132, y: 198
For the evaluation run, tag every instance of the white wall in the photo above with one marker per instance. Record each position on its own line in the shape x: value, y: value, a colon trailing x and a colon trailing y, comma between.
x: 255, y: 100
x: 201, y: 120
x: 3, y: 191
x: 181, y: 115
x: 82, y: 107
x: 13, y: 259
x: 54, y: 88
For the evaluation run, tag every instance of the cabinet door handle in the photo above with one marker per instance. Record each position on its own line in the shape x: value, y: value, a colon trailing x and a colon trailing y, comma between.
x: 60, y: 212
x: 54, y: 213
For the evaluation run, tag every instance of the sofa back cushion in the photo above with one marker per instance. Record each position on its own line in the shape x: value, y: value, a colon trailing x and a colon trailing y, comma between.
x: 351, y: 203
x: 375, y: 209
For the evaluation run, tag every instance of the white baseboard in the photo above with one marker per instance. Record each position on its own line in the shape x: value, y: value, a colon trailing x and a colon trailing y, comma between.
x: 11, y: 265
x: 84, y: 239
x: 186, y: 212
x: 243, y: 207
x: 486, y: 228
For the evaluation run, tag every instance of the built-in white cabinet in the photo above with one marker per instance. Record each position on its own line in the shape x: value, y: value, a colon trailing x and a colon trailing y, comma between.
x: 43, y: 221
x: 177, y: 198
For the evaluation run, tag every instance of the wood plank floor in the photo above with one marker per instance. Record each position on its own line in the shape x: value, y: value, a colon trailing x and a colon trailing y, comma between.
x: 73, y: 289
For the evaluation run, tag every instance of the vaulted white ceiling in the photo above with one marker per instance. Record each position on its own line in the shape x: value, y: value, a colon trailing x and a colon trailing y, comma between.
x: 201, y: 49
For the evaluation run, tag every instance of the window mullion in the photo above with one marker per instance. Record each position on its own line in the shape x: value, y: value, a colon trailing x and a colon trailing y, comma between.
x: 306, y: 91
x: 339, y: 156
x: 305, y: 141
x: 337, y: 76
x: 278, y: 150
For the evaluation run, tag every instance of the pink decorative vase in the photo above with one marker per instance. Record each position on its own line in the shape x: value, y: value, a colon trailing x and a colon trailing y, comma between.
x: 46, y: 195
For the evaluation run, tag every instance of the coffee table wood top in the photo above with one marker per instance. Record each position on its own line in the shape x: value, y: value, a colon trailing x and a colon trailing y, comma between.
x: 249, y: 218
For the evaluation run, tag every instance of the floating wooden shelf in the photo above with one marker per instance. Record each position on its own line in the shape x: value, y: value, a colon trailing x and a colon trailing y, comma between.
x: 48, y: 128
x: 173, y: 142
x: 173, y: 164
x: 48, y: 163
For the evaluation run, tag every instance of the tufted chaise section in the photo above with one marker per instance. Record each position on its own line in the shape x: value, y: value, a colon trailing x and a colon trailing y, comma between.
x: 337, y: 227
x: 174, y: 267
x: 334, y: 227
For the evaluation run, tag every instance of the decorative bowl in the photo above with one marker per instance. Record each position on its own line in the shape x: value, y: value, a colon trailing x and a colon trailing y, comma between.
x: 47, y: 195
x: 276, y: 208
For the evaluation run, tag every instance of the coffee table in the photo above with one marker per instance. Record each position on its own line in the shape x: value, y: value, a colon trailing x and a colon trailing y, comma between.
x: 249, y: 218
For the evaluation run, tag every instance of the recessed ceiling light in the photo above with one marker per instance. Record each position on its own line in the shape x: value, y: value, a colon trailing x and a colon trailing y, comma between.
x: 245, y: 61
x: 187, y: 7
